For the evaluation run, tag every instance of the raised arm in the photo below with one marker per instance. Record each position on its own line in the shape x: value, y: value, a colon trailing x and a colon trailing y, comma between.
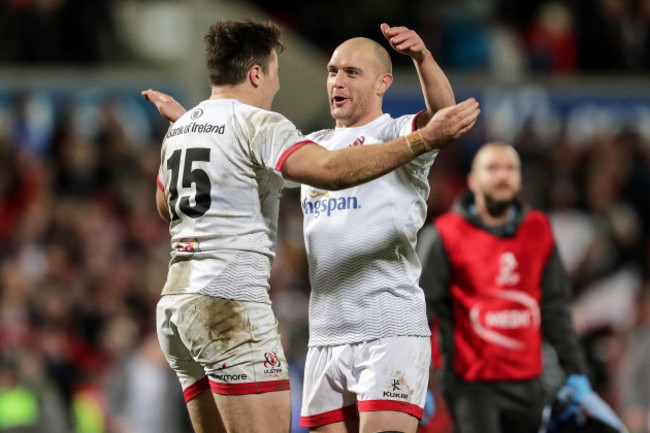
x: 314, y: 165
x: 168, y: 107
x: 436, y: 89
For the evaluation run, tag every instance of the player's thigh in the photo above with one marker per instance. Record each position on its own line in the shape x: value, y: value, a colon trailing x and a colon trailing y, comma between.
x: 350, y: 425
x: 387, y: 421
x: 268, y: 412
x: 204, y: 414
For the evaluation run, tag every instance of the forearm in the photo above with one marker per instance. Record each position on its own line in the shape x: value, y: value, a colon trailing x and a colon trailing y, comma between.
x: 436, y: 88
x: 345, y: 168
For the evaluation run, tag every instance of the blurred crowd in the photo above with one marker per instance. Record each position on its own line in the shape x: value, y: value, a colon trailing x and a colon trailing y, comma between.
x: 508, y: 37
x: 83, y: 260
x: 505, y: 36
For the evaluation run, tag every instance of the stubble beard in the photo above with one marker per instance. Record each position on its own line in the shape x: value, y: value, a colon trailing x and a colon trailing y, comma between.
x: 498, y: 208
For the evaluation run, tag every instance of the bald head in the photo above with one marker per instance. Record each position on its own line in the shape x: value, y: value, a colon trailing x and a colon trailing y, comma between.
x: 358, y: 76
x: 370, y: 49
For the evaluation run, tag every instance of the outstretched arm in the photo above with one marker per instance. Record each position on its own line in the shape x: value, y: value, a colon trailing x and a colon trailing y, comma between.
x: 436, y: 89
x: 168, y: 107
x: 316, y: 166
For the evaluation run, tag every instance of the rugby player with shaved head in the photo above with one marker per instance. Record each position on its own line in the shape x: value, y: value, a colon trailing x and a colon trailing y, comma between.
x: 369, y: 350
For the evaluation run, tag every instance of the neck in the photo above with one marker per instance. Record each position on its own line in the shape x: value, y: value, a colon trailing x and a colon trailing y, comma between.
x: 238, y: 92
x: 364, y: 120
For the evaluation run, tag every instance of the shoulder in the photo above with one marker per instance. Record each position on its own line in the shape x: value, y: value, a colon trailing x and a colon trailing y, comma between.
x: 323, y: 134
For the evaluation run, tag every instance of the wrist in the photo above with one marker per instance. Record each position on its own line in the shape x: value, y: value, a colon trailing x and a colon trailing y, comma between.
x: 421, y: 56
x: 415, y: 143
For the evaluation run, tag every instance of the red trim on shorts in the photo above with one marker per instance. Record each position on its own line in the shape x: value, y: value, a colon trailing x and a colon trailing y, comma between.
x: 414, y: 124
x: 196, y: 388
x: 391, y: 405
x: 332, y: 416
x: 288, y: 152
x: 249, y: 388
x: 160, y: 184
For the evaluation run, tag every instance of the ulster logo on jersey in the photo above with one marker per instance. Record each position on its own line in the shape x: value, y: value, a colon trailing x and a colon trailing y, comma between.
x: 196, y: 114
x: 358, y: 142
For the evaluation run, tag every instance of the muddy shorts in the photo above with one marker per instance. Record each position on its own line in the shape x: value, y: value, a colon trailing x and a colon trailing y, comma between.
x: 231, y: 347
x: 390, y: 373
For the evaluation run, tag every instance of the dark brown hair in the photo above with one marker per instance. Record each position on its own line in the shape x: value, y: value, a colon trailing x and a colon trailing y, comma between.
x: 233, y: 47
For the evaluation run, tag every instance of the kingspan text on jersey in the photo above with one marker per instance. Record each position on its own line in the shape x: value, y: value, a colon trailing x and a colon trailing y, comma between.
x: 328, y: 205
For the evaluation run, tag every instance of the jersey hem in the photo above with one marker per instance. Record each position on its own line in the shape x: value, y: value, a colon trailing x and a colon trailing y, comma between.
x: 321, y: 341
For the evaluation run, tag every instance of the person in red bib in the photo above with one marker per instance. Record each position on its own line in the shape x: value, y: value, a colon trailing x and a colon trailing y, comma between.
x: 493, y: 277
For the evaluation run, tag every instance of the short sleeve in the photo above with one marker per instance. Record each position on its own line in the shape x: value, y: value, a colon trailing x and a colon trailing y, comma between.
x: 407, y: 124
x: 275, y: 138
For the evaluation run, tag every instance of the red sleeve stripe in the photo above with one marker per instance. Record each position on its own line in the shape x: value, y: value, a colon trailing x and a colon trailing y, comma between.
x: 332, y: 416
x: 196, y: 388
x: 249, y: 388
x: 391, y: 405
x: 288, y: 152
x: 414, y: 125
x: 160, y: 184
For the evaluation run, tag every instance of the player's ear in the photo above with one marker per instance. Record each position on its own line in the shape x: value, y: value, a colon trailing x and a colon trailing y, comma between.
x: 255, y: 75
x: 384, y: 82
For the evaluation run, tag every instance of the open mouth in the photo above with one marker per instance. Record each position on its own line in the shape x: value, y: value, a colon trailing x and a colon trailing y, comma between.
x: 338, y: 100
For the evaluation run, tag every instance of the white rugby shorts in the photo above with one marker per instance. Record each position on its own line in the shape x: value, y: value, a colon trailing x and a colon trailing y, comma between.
x: 390, y: 374
x: 231, y: 347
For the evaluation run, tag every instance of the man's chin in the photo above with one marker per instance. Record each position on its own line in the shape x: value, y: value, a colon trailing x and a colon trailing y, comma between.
x: 498, y: 207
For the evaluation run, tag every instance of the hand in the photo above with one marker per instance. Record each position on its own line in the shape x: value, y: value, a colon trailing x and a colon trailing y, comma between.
x: 580, y: 385
x: 449, y: 124
x: 168, y: 107
x: 405, y: 41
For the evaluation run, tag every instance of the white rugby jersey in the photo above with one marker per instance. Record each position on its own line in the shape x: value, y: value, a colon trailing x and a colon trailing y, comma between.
x: 360, y: 242
x: 220, y: 171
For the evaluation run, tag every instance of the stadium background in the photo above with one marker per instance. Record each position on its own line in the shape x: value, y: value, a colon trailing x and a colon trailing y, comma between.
x: 84, y: 254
